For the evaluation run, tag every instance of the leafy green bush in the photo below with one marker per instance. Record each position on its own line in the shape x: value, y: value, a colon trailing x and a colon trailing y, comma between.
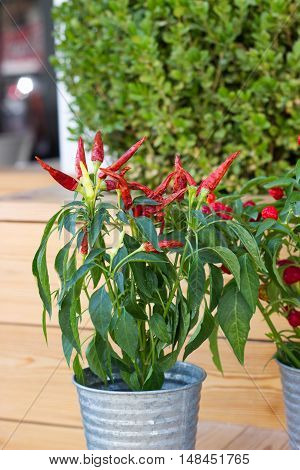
x: 202, y: 78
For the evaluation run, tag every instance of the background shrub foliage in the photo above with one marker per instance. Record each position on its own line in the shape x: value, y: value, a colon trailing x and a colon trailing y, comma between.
x: 200, y: 77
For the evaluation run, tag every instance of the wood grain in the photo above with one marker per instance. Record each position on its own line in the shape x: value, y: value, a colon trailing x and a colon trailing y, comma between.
x: 12, y: 182
x: 18, y: 244
x: 36, y: 381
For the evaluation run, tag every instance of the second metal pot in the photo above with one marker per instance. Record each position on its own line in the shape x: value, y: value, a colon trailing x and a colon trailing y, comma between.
x: 290, y: 378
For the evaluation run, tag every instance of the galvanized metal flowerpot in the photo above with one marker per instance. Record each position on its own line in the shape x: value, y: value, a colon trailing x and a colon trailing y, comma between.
x: 290, y: 378
x: 116, y: 418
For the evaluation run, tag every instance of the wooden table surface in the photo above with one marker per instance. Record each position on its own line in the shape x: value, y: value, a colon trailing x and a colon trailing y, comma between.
x: 38, y: 405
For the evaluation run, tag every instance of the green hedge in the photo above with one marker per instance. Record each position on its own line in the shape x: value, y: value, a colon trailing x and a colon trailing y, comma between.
x: 199, y: 78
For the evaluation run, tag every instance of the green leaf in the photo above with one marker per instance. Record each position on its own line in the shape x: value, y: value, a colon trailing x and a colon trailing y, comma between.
x: 43, y: 279
x: 96, y: 226
x: 159, y: 328
x: 61, y: 261
x: 147, y: 258
x: 155, y: 378
x: 249, y: 281
x: 202, y: 332
x: 297, y: 171
x: 216, y: 286
x: 213, y: 344
x: 148, y: 231
x: 94, y: 355
x: 196, y: 283
x: 284, y: 181
x: 79, y: 275
x: 78, y: 371
x: 224, y: 255
x: 100, y: 308
x: 44, y: 325
x: 67, y: 320
x: 248, y: 241
x: 67, y: 348
x: 234, y: 315
x: 135, y: 309
x: 126, y: 334
x: 142, y: 200
x: 94, y: 253
x: 265, y: 225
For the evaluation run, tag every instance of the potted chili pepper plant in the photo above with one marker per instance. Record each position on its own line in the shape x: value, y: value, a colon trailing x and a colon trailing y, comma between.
x: 149, y: 278
x: 275, y: 223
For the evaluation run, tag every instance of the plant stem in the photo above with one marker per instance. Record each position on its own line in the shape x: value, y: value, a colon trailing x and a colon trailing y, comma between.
x: 278, y: 341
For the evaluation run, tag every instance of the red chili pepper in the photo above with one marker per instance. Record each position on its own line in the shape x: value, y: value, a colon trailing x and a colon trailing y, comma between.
x: 98, y: 150
x: 291, y: 275
x: 225, y: 269
x: 111, y: 185
x: 161, y: 189
x: 121, y: 185
x: 164, y: 244
x: 126, y: 156
x: 298, y: 139
x: 211, y: 198
x: 269, y: 212
x: 124, y: 170
x: 212, y: 181
x: 294, y: 318
x: 206, y: 210
x: 64, y: 180
x: 80, y: 157
x: 140, y: 187
x: 222, y: 210
x: 84, y: 248
x: 173, y: 197
x: 181, y: 177
x: 277, y: 193
x: 249, y: 203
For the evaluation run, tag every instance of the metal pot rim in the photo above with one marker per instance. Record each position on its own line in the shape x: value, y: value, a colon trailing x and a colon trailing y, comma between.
x: 291, y: 369
x: 201, y: 372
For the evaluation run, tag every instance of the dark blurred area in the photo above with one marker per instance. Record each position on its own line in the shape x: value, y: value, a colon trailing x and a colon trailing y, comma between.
x: 28, y: 106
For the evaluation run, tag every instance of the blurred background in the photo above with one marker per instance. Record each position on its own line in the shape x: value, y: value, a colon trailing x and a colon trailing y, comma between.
x: 203, y: 78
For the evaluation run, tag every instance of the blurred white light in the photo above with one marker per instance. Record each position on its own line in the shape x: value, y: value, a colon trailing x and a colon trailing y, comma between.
x: 25, y: 85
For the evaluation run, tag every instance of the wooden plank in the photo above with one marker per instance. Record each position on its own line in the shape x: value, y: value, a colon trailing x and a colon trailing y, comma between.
x: 33, y: 436
x: 27, y: 211
x: 22, y: 304
x: 13, y: 181
x: 214, y: 435
x: 264, y: 439
x: 246, y: 397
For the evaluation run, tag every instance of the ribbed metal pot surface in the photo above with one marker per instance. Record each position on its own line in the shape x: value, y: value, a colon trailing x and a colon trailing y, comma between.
x: 117, y: 418
x: 290, y: 379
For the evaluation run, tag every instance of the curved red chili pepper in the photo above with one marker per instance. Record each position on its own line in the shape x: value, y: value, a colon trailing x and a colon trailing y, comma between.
x: 212, y: 181
x: 121, y: 185
x: 164, y: 244
x: 80, y: 157
x: 140, y: 187
x: 161, y: 189
x: 126, y: 156
x: 173, y: 197
x: 68, y: 182
x: 84, y: 248
x: 97, y: 150
x: 182, y: 178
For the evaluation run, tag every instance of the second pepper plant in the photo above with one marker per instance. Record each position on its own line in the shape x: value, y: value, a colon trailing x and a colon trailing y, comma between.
x: 146, y: 271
